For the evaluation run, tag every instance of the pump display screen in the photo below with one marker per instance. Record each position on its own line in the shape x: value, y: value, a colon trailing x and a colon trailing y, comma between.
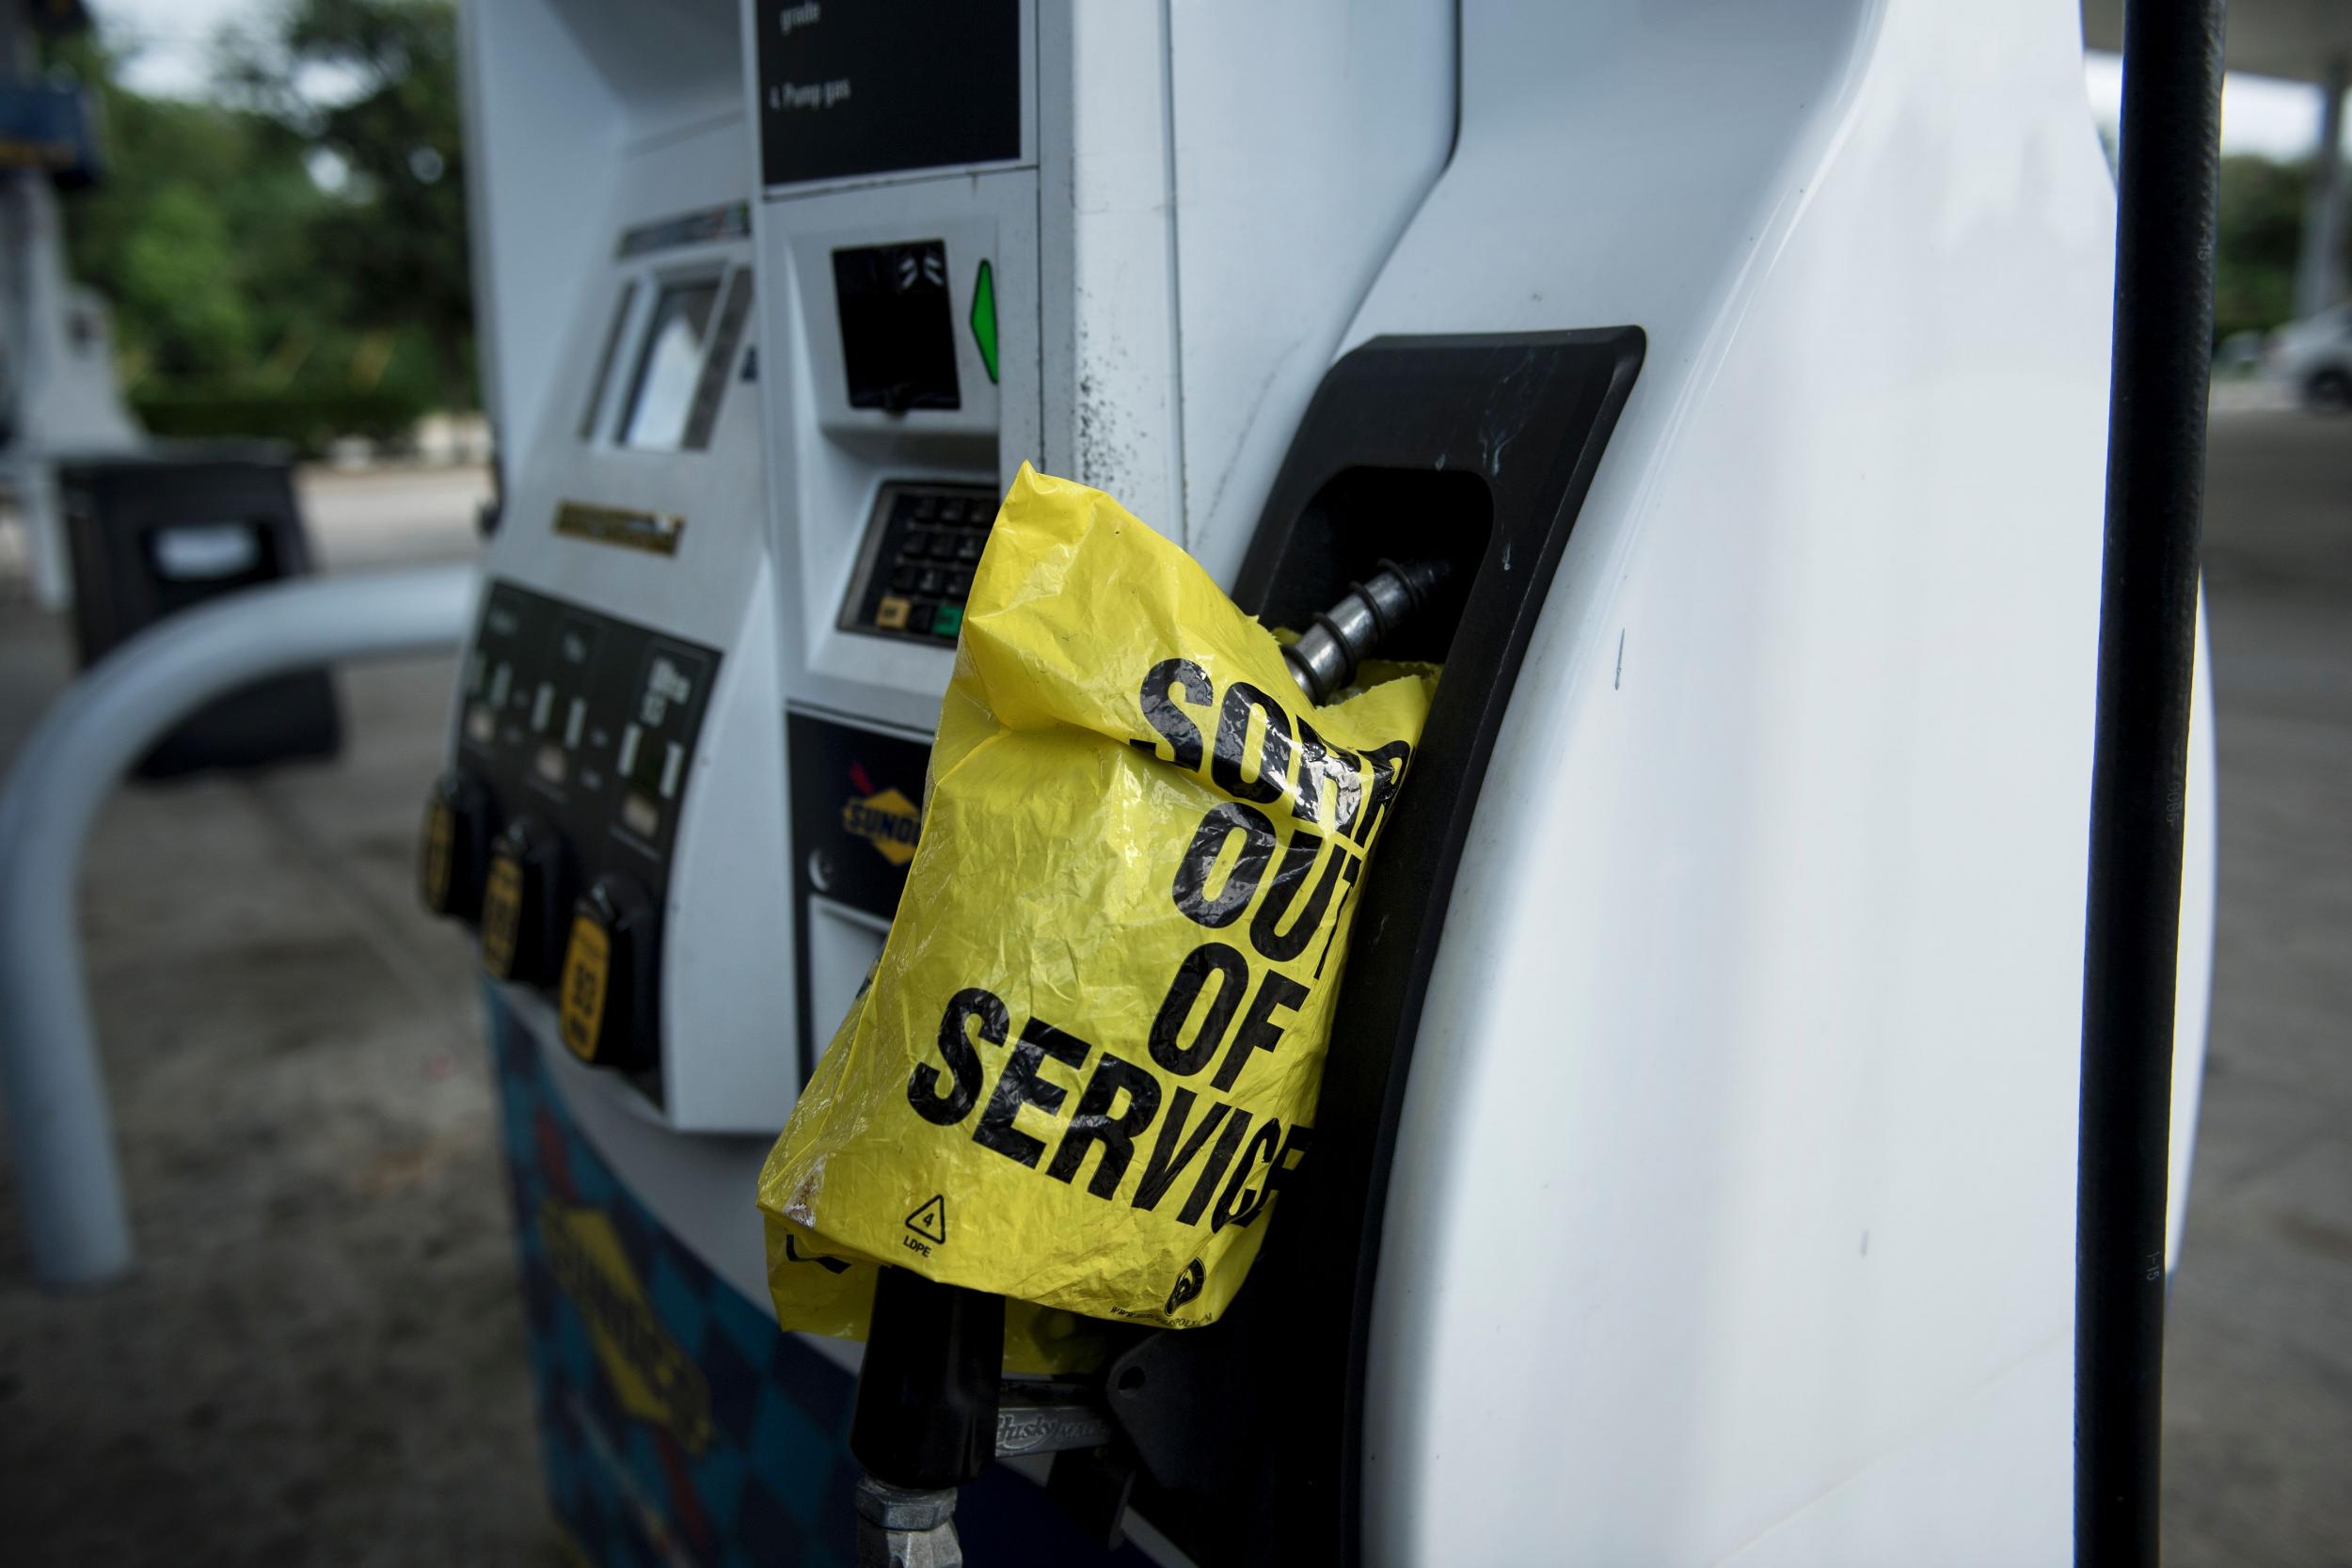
x: 669, y: 367
x: 604, y: 361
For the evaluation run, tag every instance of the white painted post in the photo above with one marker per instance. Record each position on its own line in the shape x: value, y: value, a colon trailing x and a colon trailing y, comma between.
x: 2319, y: 275
x: 59, y: 1127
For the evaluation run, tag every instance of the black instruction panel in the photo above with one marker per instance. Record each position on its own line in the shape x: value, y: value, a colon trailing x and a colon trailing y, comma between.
x: 850, y: 87
x: 587, y: 723
x: 584, y: 720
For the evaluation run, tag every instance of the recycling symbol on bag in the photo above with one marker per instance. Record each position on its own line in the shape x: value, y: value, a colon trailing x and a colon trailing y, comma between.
x: 1187, y: 1286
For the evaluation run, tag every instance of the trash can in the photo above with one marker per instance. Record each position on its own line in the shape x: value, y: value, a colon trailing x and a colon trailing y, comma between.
x: 154, y: 533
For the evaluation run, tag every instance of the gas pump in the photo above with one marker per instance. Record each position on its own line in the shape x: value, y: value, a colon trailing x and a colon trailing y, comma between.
x: 1693, y: 1166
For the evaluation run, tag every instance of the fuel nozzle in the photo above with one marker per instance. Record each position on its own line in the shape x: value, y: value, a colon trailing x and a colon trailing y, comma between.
x: 1326, y: 656
x: 932, y: 1412
x: 925, y: 1421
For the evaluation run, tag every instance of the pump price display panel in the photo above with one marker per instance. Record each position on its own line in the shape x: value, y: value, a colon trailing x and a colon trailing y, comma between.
x: 848, y: 88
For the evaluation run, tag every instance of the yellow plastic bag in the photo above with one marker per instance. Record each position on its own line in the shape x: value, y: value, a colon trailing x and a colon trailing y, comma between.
x: 1089, y: 1055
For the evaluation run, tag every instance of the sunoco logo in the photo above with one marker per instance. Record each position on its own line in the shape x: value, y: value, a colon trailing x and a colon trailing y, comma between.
x: 651, y: 1376
x: 886, y: 820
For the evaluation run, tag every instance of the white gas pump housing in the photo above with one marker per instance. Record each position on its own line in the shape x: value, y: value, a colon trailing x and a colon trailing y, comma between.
x: 1702, y: 1150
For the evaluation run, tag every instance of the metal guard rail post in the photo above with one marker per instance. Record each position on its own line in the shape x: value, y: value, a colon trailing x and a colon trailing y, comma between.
x: 60, y: 1131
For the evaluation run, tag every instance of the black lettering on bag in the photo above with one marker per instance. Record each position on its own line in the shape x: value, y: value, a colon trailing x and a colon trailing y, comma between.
x: 1238, y: 1207
x: 1233, y: 733
x: 963, y: 1063
x: 1171, y: 1151
x: 1321, y: 763
x: 1295, y: 1146
x: 1236, y: 1126
x: 1388, y: 768
x: 1092, y: 1123
x: 1019, y: 1086
x: 1258, y: 1031
x: 1224, y: 819
x: 1182, y: 735
x: 1232, y: 980
x: 1297, y: 860
x: 1354, y: 869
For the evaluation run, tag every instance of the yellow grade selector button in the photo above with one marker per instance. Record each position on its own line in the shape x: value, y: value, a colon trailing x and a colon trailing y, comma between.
x: 453, y: 850
x: 891, y: 614
x: 441, y: 846
x: 587, y: 974
x: 524, y: 902
x: 502, y: 916
x: 607, y: 995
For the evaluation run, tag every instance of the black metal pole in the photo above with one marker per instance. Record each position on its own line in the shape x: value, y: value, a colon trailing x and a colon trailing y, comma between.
x: 2167, y: 171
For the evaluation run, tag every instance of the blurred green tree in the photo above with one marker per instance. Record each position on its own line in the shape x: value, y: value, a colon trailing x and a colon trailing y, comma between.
x: 2260, y: 233
x: 198, y: 235
x: 287, y: 257
x: 369, y: 89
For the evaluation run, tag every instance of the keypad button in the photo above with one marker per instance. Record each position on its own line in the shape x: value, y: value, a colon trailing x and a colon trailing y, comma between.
x: 932, y: 542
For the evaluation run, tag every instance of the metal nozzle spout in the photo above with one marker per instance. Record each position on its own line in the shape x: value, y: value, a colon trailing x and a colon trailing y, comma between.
x: 1326, y: 656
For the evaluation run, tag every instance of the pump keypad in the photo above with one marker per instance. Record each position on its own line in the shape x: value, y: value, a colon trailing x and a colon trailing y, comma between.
x: 923, y: 544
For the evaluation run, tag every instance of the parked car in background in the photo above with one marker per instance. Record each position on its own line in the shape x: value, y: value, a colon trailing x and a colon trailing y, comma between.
x: 2240, y: 356
x: 2313, y: 357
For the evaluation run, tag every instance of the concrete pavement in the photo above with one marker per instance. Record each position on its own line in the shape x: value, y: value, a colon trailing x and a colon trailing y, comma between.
x: 2258, y: 1428
x: 320, y: 1356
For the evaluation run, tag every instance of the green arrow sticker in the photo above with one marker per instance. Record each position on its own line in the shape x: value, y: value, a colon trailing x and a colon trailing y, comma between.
x: 984, y: 318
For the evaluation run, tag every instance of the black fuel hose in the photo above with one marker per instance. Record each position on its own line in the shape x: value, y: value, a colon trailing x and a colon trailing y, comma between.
x: 2168, y: 178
